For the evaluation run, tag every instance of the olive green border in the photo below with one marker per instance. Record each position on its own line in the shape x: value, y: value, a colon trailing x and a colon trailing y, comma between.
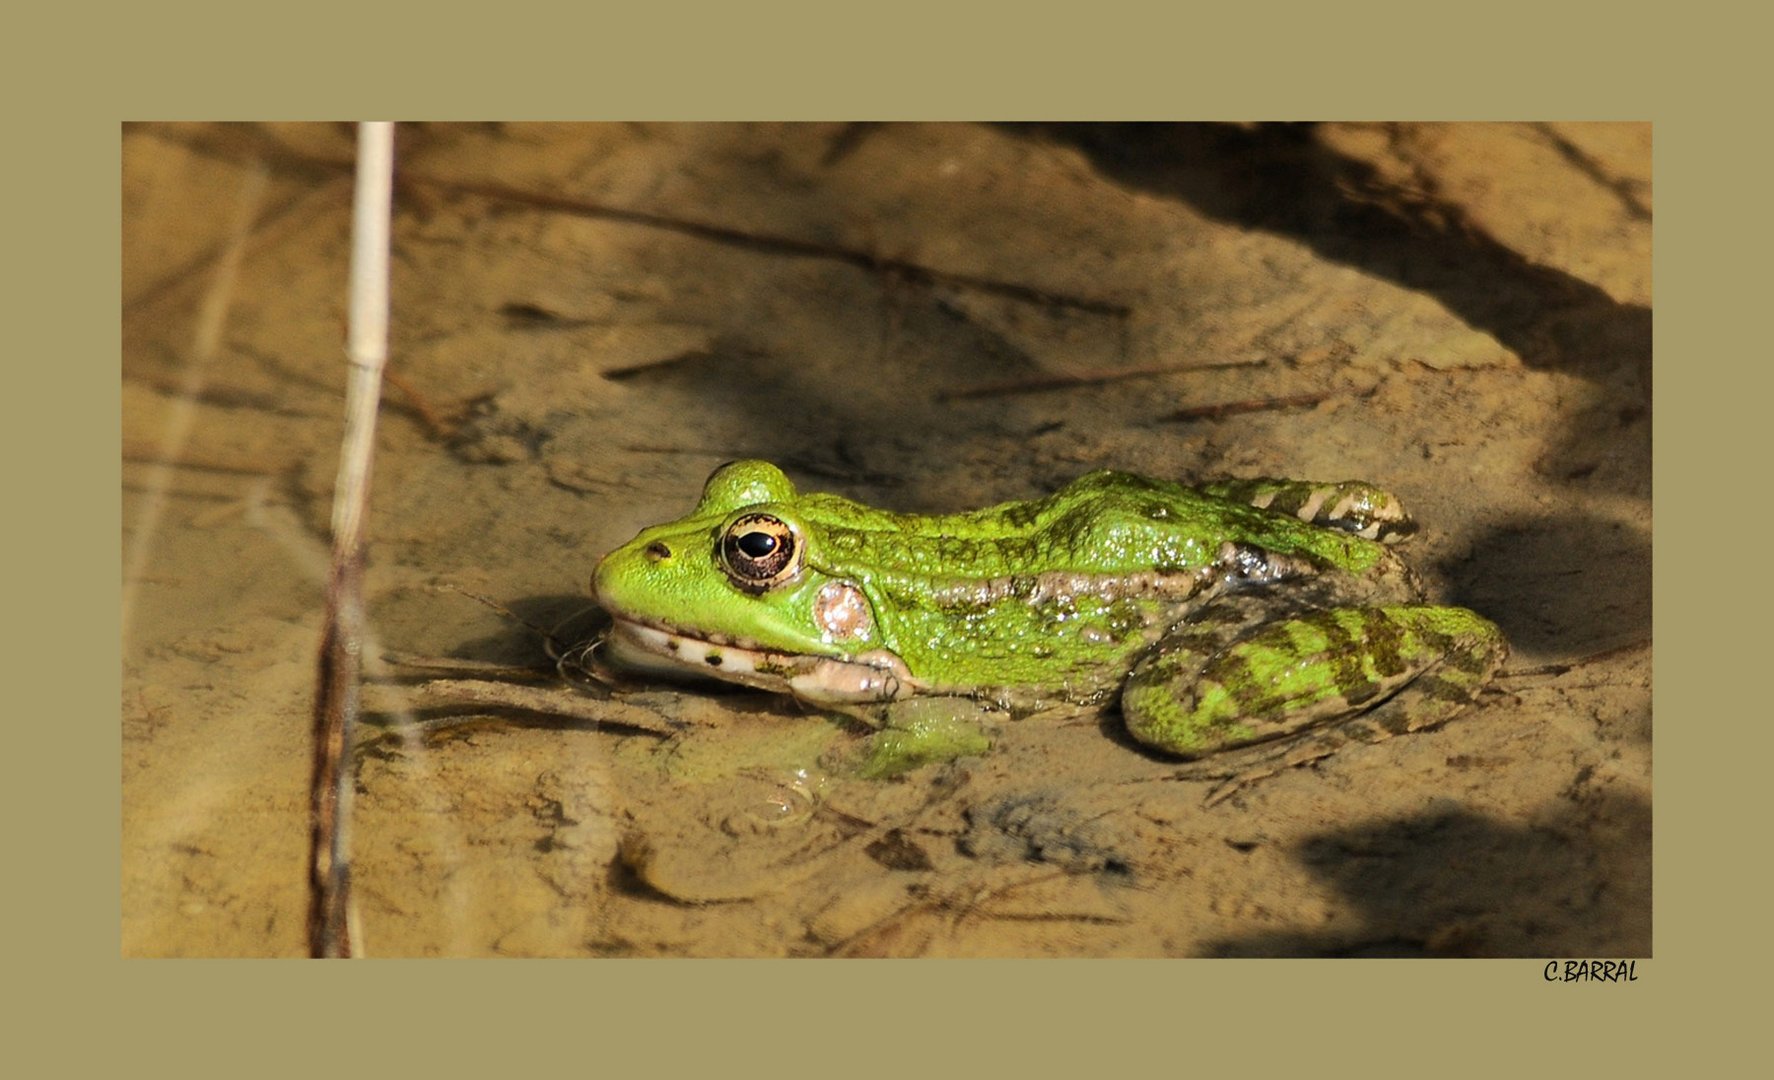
x: 81, y: 72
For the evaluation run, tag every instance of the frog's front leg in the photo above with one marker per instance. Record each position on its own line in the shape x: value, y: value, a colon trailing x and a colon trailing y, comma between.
x: 1304, y: 685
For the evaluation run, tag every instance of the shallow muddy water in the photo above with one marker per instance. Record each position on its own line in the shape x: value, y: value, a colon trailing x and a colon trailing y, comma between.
x: 588, y: 318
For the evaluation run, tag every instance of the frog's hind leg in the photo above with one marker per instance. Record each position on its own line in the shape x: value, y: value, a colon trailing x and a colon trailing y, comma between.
x: 1352, y: 505
x: 1292, y: 691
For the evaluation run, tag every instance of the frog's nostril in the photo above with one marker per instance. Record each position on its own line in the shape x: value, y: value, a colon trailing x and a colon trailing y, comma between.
x: 657, y: 551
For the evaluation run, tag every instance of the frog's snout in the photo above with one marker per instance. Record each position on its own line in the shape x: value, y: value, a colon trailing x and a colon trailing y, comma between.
x: 630, y: 567
x: 601, y: 576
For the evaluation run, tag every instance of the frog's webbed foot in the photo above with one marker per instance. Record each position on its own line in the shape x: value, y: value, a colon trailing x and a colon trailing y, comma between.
x: 1296, y: 690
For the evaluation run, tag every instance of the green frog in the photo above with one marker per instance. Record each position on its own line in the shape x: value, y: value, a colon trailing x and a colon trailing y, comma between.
x: 1250, y: 612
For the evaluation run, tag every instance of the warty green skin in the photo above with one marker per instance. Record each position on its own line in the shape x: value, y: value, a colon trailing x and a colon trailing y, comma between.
x: 1220, y: 622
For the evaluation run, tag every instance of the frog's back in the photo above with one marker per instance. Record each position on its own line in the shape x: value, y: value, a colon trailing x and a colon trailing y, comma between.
x: 1104, y: 522
x: 1136, y: 522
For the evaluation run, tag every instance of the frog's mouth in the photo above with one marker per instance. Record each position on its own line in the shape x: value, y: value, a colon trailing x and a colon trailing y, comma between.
x: 869, y: 677
x: 657, y: 650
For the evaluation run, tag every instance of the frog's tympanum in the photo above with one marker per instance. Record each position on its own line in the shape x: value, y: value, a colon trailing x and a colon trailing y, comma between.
x: 1241, y: 612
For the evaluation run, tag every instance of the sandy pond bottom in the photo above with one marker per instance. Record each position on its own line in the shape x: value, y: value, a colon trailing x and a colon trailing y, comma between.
x: 927, y: 318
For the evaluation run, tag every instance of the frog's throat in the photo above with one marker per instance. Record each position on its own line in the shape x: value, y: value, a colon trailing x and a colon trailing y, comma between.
x: 875, y: 676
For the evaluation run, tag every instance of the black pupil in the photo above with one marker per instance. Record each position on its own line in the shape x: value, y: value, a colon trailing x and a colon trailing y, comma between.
x: 756, y: 545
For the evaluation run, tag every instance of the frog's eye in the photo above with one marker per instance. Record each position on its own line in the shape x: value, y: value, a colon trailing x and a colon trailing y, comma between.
x: 759, y: 551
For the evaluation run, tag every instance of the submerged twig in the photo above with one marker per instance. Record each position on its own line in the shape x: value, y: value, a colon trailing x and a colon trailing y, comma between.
x: 786, y: 246
x: 484, y: 695
x: 1036, y: 384
x: 1566, y: 666
x: 436, y: 426
x: 1232, y: 408
x: 341, y: 653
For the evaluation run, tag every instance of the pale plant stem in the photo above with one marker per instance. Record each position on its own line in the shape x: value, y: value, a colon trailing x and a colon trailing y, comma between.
x: 341, y: 660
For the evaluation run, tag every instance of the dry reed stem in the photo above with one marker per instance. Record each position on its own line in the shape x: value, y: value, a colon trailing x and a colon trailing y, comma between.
x: 330, y: 933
